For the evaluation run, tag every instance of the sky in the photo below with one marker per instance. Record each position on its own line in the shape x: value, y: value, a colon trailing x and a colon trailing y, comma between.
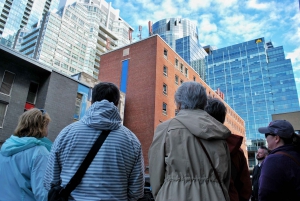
x: 223, y: 23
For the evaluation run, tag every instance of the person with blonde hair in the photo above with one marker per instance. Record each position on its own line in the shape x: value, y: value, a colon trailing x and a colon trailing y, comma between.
x: 23, y: 158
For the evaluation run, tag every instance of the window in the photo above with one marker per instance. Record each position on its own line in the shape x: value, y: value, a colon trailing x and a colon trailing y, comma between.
x: 78, y: 106
x: 186, y: 71
x: 165, y: 53
x: 7, y: 82
x: 3, y: 107
x: 181, y: 68
x: 176, y: 79
x: 194, y: 78
x: 164, y: 108
x: 181, y: 81
x: 165, y: 71
x: 165, y: 89
x: 176, y: 62
x: 32, y: 92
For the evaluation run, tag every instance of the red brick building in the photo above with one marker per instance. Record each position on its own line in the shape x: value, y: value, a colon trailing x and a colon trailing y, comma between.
x: 149, y: 72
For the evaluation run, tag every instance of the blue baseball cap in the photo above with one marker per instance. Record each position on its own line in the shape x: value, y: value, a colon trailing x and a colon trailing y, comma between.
x: 282, y: 128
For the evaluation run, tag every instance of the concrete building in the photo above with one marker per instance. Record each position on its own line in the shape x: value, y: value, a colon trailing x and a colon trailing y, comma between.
x: 18, y: 14
x: 292, y: 117
x: 182, y: 35
x: 72, y: 39
x: 26, y: 83
x: 149, y: 72
x: 257, y: 82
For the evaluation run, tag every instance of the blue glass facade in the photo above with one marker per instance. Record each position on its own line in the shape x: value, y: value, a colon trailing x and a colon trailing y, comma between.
x: 257, y: 82
x: 182, y: 36
x: 192, y: 53
x: 19, y: 14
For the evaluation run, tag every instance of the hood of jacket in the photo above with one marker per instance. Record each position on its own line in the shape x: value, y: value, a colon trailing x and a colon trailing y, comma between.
x: 234, y: 142
x: 202, y: 125
x: 15, y: 144
x: 102, y: 115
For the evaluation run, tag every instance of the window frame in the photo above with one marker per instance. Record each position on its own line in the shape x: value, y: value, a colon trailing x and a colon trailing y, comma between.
x: 165, y: 71
x: 164, y: 108
x: 165, y: 53
x: 4, y: 115
x: 35, y: 97
x: 12, y: 83
x: 165, y: 89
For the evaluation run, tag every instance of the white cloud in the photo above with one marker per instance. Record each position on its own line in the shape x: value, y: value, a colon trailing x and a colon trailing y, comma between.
x: 294, y: 56
x: 225, y: 4
x: 206, y: 26
x: 197, y: 4
x: 259, y: 6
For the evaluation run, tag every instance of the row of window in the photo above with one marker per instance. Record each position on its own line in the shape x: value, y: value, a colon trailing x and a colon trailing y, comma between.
x: 182, y: 69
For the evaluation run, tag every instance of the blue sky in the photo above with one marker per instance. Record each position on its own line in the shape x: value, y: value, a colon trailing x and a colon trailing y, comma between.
x: 225, y: 22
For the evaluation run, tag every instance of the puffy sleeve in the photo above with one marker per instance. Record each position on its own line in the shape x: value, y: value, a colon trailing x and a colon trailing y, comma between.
x: 39, y: 164
x: 157, y: 159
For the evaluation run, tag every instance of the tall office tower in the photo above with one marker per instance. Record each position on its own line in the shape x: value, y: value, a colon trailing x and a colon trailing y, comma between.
x: 73, y: 39
x: 182, y: 36
x: 257, y: 82
x: 18, y: 14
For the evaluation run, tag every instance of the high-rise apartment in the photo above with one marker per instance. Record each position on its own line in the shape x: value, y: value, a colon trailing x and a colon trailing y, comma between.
x: 182, y: 35
x: 257, y: 82
x: 72, y: 39
x: 18, y: 14
x: 150, y: 91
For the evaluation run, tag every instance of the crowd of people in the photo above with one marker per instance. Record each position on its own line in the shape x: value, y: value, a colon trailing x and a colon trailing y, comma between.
x: 193, y: 156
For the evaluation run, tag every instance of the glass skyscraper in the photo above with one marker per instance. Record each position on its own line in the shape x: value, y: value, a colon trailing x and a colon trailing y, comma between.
x: 257, y: 82
x: 182, y: 36
x: 18, y: 14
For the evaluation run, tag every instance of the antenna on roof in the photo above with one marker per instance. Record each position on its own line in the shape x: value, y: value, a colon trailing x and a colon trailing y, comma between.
x: 140, y: 34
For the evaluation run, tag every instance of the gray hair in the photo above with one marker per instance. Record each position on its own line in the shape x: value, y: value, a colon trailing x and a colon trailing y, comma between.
x: 191, y: 95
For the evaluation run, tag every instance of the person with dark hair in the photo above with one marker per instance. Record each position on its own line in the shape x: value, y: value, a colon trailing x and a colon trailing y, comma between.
x: 240, y: 183
x: 178, y: 165
x: 280, y: 173
x: 262, y: 153
x: 117, y: 171
x: 23, y: 158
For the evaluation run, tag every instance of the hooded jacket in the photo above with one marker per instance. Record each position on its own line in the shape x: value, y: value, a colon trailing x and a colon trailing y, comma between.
x: 117, y: 171
x: 240, y: 184
x: 22, y: 165
x: 179, y: 168
x: 280, y: 176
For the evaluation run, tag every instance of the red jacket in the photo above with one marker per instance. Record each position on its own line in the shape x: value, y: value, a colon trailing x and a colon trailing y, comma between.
x: 240, y: 187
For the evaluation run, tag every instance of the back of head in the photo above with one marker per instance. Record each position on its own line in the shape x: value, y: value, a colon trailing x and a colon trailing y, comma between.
x: 216, y: 109
x: 191, y: 95
x: 33, y: 123
x: 106, y: 91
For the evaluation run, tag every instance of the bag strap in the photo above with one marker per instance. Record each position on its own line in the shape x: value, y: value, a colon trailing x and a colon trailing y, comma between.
x: 76, y: 179
x: 288, y: 155
x: 212, y: 165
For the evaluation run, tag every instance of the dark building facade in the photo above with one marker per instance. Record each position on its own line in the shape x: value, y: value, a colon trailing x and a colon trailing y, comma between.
x: 26, y: 83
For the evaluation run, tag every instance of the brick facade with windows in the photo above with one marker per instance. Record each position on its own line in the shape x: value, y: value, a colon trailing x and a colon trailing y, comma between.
x: 146, y: 78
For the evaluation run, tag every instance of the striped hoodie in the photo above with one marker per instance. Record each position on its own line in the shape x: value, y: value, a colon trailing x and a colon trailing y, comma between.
x: 117, y: 171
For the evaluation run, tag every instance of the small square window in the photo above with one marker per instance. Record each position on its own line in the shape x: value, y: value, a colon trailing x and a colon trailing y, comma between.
x: 186, y: 71
x: 165, y: 89
x: 165, y: 71
x: 164, y: 108
x: 176, y: 62
x: 165, y: 53
x: 181, y: 68
x: 176, y: 79
x: 3, y: 107
x: 7, y: 82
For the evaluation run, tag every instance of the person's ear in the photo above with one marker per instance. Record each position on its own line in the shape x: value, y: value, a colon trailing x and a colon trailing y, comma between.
x: 277, y: 139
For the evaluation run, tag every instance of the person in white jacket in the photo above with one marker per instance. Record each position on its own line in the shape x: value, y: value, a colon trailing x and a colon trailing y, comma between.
x: 23, y: 159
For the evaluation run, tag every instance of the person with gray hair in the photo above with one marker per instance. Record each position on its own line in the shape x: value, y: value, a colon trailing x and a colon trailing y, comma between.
x: 178, y: 165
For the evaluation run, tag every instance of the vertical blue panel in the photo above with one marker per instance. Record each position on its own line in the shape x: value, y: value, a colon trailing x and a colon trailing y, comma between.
x: 124, y: 76
x: 84, y: 90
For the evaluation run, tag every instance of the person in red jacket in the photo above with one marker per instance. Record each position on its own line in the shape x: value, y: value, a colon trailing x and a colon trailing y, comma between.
x: 240, y: 187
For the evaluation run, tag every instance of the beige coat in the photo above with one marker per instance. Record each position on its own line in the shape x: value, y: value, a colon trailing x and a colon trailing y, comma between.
x: 179, y: 168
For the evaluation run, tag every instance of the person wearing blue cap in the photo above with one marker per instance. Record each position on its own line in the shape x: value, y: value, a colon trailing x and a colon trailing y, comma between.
x: 280, y: 173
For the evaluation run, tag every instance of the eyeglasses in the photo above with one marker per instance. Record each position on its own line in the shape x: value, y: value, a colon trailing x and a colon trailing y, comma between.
x: 43, y: 111
x: 266, y: 134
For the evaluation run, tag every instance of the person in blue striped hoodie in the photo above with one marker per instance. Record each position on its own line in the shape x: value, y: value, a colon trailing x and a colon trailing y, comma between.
x: 117, y: 171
